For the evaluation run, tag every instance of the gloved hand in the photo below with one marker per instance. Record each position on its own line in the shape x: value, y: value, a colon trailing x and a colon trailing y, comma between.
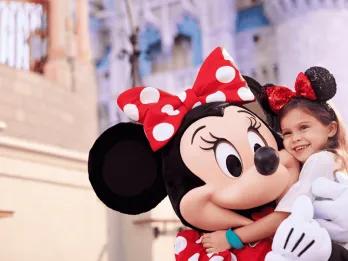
x: 300, y: 237
x: 330, y: 206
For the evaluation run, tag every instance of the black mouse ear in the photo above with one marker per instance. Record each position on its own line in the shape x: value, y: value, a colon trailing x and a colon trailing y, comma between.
x: 123, y: 170
x: 323, y: 82
x: 254, y: 86
x: 273, y: 119
x: 259, y: 92
x: 261, y: 100
x: 262, y: 104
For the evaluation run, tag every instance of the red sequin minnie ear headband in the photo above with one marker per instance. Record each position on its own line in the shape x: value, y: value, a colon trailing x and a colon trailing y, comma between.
x: 161, y: 113
x: 316, y: 84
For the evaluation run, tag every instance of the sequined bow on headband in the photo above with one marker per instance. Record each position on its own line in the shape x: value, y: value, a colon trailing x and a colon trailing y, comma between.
x: 279, y: 96
x: 161, y: 113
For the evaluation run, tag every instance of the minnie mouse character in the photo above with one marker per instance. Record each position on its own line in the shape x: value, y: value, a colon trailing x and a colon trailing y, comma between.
x: 207, y: 149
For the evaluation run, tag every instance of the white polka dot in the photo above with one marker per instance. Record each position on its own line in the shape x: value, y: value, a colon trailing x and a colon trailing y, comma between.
x: 163, y: 131
x: 199, y: 240
x: 149, y: 95
x: 168, y: 109
x: 196, y: 104
x: 210, y: 254
x: 215, y: 97
x: 217, y: 258
x: 182, y: 96
x: 195, y: 257
x: 245, y: 94
x: 132, y: 112
x: 180, y: 244
x: 227, y: 56
x: 233, y: 257
x: 225, y: 74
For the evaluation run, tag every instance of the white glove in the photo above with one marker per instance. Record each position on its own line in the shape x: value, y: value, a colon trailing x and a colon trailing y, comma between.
x: 300, y: 237
x: 330, y: 208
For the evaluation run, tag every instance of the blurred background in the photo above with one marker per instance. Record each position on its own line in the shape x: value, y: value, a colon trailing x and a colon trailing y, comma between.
x: 64, y: 62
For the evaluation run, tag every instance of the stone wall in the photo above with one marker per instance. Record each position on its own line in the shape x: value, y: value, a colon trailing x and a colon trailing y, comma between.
x: 37, y: 109
x: 57, y: 216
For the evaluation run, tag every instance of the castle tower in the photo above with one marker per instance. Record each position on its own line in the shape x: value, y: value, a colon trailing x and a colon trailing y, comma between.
x: 311, y: 33
x: 48, y: 122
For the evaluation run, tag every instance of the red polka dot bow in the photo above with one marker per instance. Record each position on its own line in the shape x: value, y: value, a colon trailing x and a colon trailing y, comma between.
x: 279, y: 96
x: 162, y: 113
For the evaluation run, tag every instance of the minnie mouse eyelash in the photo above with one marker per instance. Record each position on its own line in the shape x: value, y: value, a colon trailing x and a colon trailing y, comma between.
x: 254, y: 124
x: 214, y: 142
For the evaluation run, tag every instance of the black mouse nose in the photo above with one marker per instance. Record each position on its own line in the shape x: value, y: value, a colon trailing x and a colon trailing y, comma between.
x: 266, y: 160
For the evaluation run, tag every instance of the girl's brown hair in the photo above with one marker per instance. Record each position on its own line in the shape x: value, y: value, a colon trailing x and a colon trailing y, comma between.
x: 325, y: 114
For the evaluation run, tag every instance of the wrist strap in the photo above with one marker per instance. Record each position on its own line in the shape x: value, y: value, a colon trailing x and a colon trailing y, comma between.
x: 233, y: 239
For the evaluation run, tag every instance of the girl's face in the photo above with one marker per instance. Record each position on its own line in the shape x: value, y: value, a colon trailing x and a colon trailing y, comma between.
x: 303, y: 134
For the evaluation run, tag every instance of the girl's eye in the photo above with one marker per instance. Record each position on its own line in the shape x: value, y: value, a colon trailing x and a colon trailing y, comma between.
x: 286, y: 134
x: 255, y: 139
x: 228, y: 159
x: 304, y: 127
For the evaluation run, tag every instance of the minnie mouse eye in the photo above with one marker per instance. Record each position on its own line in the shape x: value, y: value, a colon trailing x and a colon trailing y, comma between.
x: 255, y: 140
x: 228, y: 159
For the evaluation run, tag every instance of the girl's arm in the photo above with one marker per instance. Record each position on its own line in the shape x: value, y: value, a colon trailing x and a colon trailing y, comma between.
x: 263, y: 228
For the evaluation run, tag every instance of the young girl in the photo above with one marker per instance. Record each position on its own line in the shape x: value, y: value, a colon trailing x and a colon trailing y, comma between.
x: 312, y: 134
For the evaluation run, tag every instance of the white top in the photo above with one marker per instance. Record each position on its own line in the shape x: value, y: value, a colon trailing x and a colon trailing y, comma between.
x: 321, y: 164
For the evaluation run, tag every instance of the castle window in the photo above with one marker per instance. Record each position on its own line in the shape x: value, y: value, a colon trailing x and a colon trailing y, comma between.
x: 256, y: 38
x: 180, y: 58
x: 182, y: 52
x: 23, y: 34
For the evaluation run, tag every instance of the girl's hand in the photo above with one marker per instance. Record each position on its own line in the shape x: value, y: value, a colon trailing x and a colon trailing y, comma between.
x: 215, y: 242
x: 288, y: 160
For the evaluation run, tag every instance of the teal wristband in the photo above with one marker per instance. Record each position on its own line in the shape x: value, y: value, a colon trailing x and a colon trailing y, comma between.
x: 233, y: 239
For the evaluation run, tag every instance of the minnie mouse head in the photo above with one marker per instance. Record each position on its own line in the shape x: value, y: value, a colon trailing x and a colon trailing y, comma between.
x: 214, y: 157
